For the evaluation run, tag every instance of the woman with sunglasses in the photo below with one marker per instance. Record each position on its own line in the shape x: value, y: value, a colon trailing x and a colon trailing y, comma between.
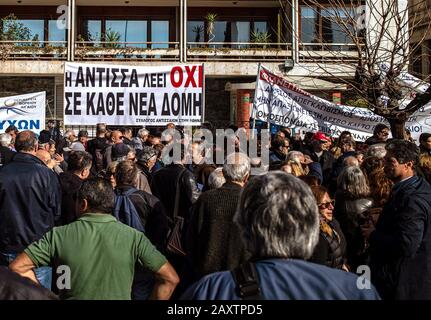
x: 331, y: 248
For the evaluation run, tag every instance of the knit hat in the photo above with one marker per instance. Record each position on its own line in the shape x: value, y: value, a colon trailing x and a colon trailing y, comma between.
x: 77, y: 146
x: 119, y: 150
x: 146, y: 154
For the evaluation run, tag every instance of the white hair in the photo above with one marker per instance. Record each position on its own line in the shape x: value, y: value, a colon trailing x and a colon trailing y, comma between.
x: 236, y: 167
x: 376, y: 150
x: 143, y: 132
x: 5, y: 139
x: 278, y: 217
x: 216, y: 179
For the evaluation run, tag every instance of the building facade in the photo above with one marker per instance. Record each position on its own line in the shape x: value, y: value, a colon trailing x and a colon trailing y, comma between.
x: 229, y: 37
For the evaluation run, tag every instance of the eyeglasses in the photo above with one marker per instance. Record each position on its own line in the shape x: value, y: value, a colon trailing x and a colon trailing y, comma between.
x: 326, y: 205
x: 385, y: 133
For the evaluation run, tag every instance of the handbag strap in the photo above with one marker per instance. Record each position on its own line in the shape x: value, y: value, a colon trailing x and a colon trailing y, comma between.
x: 247, y: 281
x: 177, y: 194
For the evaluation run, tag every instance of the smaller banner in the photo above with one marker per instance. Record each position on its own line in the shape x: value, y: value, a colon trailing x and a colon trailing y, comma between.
x: 26, y: 112
x: 133, y: 95
x: 282, y: 103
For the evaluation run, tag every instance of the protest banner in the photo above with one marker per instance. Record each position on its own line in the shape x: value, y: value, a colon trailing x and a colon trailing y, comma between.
x: 133, y: 95
x: 282, y: 103
x: 26, y: 112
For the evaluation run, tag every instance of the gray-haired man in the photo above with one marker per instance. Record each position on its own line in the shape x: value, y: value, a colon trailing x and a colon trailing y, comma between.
x: 279, y: 222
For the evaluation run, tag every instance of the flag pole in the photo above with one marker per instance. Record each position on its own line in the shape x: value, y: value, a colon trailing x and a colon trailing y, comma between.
x: 254, y: 100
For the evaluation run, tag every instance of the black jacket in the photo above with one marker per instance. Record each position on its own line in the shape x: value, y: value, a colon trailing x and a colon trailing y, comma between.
x: 350, y: 214
x: 424, y: 150
x: 70, y: 185
x: 6, y: 155
x: 152, y: 214
x: 327, y: 161
x: 30, y: 202
x: 15, y: 287
x: 330, y: 251
x: 164, y: 184
x: 401, y: 244
x: 213, y: 239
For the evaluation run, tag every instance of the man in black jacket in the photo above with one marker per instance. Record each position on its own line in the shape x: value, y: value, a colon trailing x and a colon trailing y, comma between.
x: 30, y: 202
x: 321, y: 155
x: 213, y: 240
x: 164, y: 186
x: 78, y: 169
x: 153, y: 217
x: 400, y: 245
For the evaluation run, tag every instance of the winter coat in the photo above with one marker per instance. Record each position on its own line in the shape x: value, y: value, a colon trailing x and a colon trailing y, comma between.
x: 213, y: 239
x: 349, y: 213
x: 331, y: 248
x: 30, y: 202
x: 400, y: 247
x: 70, y: 185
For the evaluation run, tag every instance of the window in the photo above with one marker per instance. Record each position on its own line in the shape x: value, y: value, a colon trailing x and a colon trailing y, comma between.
x: 333, y: 30
x: 195, y: 32
x: 260, y: 26
x: 93, y: 31
x: 240, y: 32
x: 126, y: 31
x: 221, y: 32
x: 28, y: 30
x: 160, y: 34
x: 309, y: 31
x: 56, y: 34
x: 416, y: 61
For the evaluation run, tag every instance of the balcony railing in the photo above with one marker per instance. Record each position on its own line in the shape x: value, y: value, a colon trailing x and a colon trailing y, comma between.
x: 328, y: 52
x: 105, y: 50
x: 170, y: 51
x: 238, y: 51
x: 33, y: 50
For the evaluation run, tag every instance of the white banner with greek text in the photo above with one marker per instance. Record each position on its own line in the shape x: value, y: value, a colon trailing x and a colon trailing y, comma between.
x: 26, y: 112
x: 133, y: 95
x: 289, y: 106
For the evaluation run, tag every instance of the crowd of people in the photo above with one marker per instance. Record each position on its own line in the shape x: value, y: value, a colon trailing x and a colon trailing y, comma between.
x: 124, y: 216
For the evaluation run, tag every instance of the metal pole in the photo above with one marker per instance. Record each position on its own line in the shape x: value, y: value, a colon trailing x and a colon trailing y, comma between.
x: 295, y: 38
x: 69, y: 30
x: 181, y: 30
x: 73, y: 31
x: 185, y: 31
x: 254, y: 99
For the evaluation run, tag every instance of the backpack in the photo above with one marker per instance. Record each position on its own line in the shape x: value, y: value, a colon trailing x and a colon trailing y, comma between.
x: 125, y: 210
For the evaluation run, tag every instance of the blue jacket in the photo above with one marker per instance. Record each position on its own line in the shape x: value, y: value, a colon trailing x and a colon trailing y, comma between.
x: 30, y: 202
x: 401, y: 244
x: 287, y: 279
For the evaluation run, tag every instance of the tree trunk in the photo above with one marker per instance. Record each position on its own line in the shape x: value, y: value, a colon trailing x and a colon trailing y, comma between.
x: 398, y: 126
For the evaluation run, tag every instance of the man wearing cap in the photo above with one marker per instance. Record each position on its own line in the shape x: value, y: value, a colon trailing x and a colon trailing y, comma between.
x: 320, y: 154
x: 146, y: 160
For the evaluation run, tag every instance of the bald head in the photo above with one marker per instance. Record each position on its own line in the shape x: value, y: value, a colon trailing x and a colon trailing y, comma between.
x: 351, y: 161
x: 116, y: 137
x: 26, y: 142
